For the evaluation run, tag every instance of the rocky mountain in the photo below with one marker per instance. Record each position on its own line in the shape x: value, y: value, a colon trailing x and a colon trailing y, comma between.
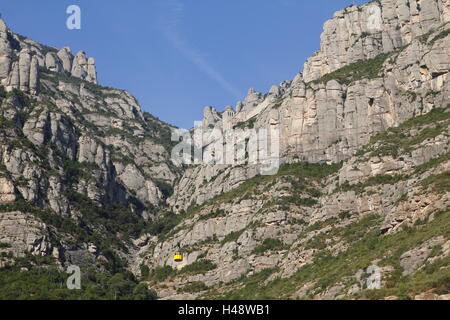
x: 82, y: 168
x: 328, y: 117
x: 370, y: 114
x: 359, y: 207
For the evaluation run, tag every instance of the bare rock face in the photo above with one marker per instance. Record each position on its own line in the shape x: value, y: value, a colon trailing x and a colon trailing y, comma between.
x: 91, y: 71
x: 77, y: 141
x: 24, y: 70
x: 83, y: 146
x: 53, y: 63
x: 5, y: 51
x: 210, y: 116
x: 252, y: 99
x: 84, y: 68
x: 23, y: 73
x: 411, y: 260
x: 24, y: 234
x: 7, y: 191
x: 34, y: 76
x: 328, y: 121
x: 79, y: 65
x: 14, y: 77
x: 362, y: 32
x: 66, y: 58
x: 229, y: 229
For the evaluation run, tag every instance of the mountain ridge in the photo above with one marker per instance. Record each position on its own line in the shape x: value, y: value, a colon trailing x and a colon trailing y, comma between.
x: 87, y: 178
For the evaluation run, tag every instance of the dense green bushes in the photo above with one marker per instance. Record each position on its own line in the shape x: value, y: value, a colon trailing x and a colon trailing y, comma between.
x: 165, y: 224
x: 145, y: 271
x: 309, y: 170
x: 38, y: 278
x: 165, y: 188
x: 363, y: 69
x: 233, y: 236
x: 300, y: 175
x: 50, y: 284
x: 76, y: 171
x: 295, y: 200
x: 269, y: 245
x: 250, y: 124
x: 159, y: 133
x: 200, y: 266
x: 2, y: 92
x: 162, y: 273
x: 213, y: 214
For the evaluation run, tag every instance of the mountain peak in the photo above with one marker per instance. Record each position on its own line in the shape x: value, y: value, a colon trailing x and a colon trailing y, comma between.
x: 22, y: 59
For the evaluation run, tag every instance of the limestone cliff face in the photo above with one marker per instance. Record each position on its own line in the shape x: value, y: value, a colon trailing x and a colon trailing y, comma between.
x: 389, y: 191
x: 86, y: 176
x: 363, y: 32
x: 67, y: 146
x: 372, y: 106
x: 326, y: 117
x: 21, y: 59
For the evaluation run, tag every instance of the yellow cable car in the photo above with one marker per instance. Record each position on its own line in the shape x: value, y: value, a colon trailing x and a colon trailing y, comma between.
x: 178, y: 257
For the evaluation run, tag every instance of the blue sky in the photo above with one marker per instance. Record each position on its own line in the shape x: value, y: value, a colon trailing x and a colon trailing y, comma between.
x: 178, y: 56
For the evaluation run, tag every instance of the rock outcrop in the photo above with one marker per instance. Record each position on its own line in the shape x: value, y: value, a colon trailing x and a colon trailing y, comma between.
x: 21, y: 60
x: 380, y: 65
x: 360, y: 200
x: 363, y: 32
x: 5, y: 51
x: 73, y: 152
x: 53, y: 63
x: 65, y: 56
x: 266, y: 227
x: 329, y: 120
x: 84, y: 68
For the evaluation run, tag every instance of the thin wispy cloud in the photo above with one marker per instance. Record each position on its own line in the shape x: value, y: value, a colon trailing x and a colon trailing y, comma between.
x: 169, y: 25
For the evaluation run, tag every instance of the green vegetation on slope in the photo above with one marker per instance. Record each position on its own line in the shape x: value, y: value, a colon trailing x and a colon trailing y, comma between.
x: 299, y: 174
x: 380, y: 179
x: 250, y: 124
x: 432, y: 163
x: 440, y: 183
x: 363, y: 69
x: 198, y: 267
x: 44, y: 281
x: 367, y: 245
x: 269, y: 245
x: 194, y: 287
x: 396, y: 141
x: 440, y: 36
x: 162, y: 273
x: 95, y: 89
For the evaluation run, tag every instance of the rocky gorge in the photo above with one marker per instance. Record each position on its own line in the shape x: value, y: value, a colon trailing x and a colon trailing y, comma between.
x: 86, y: 176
